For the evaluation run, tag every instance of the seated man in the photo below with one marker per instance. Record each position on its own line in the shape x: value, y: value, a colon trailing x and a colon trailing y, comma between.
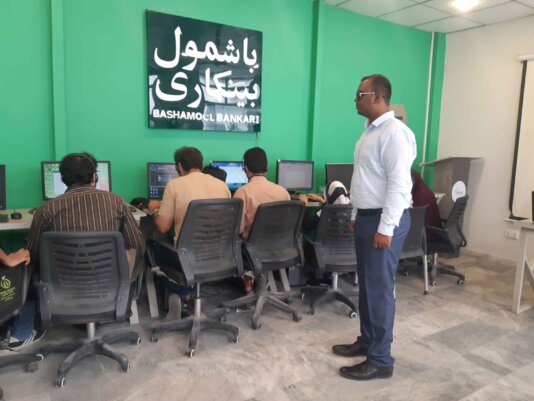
x: 81, y: 208
x: 191, y: 185
x: 258, y: 190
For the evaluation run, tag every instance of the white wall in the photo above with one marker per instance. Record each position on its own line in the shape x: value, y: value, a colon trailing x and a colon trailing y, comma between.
x: 478, y: 118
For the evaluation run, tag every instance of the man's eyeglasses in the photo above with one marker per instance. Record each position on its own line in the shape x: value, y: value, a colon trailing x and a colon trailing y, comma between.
x: 360, y: 95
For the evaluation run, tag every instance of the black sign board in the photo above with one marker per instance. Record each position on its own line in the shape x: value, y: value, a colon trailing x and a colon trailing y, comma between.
x: 203, y: 75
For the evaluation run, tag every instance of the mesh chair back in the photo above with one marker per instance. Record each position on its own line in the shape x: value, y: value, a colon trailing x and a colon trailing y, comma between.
x: 13, y: 289
x: 209, y: 244
x: 84, y: 276
x: 334, y: 240
x: 415, y: 242
x: 454, y: 221
x: 275, y: 234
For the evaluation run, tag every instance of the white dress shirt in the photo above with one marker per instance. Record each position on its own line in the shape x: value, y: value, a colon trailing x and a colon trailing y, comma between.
x: 383, y: 158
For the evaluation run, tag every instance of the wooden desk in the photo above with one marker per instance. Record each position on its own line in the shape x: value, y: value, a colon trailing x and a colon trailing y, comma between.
x: 26, y: 221
x: 524, y: 265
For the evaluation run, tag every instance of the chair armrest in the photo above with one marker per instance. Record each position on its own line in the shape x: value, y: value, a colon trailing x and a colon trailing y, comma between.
x: 239, y: 256
x: 253, y: 258
x: 461, y: 233
x: 157, y: 250
x: 441, y: 234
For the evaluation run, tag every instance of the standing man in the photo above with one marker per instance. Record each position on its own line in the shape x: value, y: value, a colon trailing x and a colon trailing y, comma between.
x: 380, y: 193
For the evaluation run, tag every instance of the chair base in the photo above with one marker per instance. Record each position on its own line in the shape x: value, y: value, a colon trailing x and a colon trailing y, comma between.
x: 326, y: 295
x: 82, y: 348
x: 258, y: 299
x: 445, y: 269
x: 196, y: 324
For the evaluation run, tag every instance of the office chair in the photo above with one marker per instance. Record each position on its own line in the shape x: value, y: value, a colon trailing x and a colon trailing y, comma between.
x: 84, y: 280
x: 13, y: 289
x: 274, y: 243
x: 208, y: 249
x: 415, y: 242
x: 448, y: 239
x: 335, y: 253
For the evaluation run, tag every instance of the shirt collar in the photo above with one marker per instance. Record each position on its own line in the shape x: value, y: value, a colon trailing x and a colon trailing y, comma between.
x: 380, y: 120
x: 257, y: 177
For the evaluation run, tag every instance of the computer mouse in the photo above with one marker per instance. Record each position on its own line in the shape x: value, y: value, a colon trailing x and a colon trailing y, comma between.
x: 16, y: 216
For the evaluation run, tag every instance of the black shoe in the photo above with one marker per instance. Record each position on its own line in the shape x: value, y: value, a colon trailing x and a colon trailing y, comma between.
x: 366, y: 371
x: 350, y: 350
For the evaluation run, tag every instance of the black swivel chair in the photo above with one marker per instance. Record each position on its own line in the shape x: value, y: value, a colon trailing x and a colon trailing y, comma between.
x: 448, y: 239
x: 273, y: 243
x: 335, y: 253
x: 84, y: 280
x: 415, y: 242
x: 13, y: 289
x: 208, y: 249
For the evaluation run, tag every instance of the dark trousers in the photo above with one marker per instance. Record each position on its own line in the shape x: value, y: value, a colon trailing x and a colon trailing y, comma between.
x: 376, y: 278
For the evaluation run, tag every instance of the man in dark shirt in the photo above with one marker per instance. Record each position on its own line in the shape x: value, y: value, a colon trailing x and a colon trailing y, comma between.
x: 81, y: 208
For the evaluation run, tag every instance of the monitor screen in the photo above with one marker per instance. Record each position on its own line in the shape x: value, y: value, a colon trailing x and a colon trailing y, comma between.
x: 339, y: 172
x: 294, y: 175
x: 158, y: 175
x: 53, y: 186
x: 2, y: 187
x: 235, y: 175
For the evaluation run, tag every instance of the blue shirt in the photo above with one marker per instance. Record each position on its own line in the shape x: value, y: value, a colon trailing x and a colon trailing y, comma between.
x: 383, y: 158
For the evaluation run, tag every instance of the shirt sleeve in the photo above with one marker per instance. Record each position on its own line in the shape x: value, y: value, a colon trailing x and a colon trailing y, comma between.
x: 38, y: 226
x: 168, y: 203
x: 133, y: 238
x: 240, y: 194
x: 397, y: 154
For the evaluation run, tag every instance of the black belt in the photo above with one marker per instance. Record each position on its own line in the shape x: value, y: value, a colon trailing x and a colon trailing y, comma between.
x: 369, y: 212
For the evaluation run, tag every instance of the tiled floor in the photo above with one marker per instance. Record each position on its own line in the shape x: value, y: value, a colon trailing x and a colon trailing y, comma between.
x: 457, y: 343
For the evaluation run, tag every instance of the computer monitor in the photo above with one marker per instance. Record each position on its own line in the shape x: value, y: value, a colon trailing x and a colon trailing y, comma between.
x: 235, y: 175
x: 158, y: 175
x: 341, y: 172
x: 53, y: 186
x: 294, y: 175
x: 2, y: 187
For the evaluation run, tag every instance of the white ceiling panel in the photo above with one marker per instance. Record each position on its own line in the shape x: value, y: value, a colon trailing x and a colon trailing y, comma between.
x: 529, y: 3
x: 504, y: 12
x: 374, y: 8
x: 415, y: 15
x: 448, y: 5
x: 448, y: 25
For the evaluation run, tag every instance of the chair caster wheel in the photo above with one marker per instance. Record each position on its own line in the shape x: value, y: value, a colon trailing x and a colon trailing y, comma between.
x: 433, y: 283
x: 255, y: 326
x: 425, y: 292
x: 288, y: 301
x: 235, y: 339
x: 60, y: 382
x: 154, y: 338
x: 39, y: 356
x: 460, y: 282
x: 302, y: 296
x: 125, y: 368
x: 32, y: 367
x: 297, y: 317
x: 137, y: 341
x: 312, y: 311
x: 353, y: 315
x: 405, y: 274
x: 191, y: 353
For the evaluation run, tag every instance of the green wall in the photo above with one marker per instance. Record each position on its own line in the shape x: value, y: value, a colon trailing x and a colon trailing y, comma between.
x: 73, y: 78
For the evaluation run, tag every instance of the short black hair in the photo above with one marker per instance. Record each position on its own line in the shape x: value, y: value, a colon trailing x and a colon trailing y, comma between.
x: 255, y: 160
x: 215, y: 171
x: 189, y: 158
x: 380, y: 83
x: 77, y: 168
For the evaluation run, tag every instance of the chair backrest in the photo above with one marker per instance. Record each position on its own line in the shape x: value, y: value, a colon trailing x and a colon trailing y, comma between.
x: 415, y: 242
x: 84, y: 277
x: 334, y: 241
x: 453, y: 224
x: 13, y: 290
x: 274, y: 237
x: 209, y: 244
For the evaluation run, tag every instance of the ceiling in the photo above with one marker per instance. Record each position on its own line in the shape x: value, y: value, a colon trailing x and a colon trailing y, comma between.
x: 438, y: 15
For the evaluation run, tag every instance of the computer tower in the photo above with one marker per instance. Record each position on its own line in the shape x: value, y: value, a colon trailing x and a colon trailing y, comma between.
x: 2, y: 187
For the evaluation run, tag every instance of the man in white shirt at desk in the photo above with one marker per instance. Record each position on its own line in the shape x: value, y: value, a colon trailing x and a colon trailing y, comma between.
x: 380, y: 193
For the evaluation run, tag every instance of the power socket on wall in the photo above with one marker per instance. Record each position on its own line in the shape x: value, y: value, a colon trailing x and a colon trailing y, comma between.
x: 510, y: 233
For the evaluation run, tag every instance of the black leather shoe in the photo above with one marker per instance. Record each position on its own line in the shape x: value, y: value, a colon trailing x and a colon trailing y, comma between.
x: 350, y: 350
x: 366, y: 371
